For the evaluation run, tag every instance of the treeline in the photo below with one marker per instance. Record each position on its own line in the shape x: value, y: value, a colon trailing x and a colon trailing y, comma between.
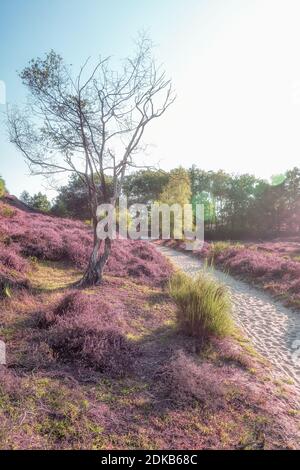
x: 242, y: 206
x: 236, y: 206
x: 38, y: 201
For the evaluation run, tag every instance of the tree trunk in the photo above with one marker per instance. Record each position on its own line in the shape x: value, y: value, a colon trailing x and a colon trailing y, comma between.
x: 94, y: 272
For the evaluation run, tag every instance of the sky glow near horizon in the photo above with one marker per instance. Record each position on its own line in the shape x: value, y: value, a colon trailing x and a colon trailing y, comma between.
x: 235, y: 66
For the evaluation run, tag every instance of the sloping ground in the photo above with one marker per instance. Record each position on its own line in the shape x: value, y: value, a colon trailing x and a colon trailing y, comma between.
x: 13, y: 201
x: 106, y: 368
x: 35, y: 236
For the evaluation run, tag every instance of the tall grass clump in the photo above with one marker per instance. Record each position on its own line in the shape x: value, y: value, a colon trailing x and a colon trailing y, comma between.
x: 215, y: 249
x: 219, y: 249
x: 204, y: 306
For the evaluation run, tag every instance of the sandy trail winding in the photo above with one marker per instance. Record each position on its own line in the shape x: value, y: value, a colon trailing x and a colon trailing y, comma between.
x: 273, y: 329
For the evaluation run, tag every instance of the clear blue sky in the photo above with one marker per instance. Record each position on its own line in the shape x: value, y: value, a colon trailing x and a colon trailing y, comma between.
x: 235, y: 65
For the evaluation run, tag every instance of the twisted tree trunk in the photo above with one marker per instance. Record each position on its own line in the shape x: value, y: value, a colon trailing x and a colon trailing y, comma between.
x: 94, y: 272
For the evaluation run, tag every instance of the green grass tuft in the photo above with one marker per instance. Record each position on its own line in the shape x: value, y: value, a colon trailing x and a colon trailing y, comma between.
x: 204, y: 305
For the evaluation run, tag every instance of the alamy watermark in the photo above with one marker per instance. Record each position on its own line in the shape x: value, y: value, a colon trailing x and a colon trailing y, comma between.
x: 2, y: 353
x: 158, y: 221
x: 2, y: 92
x: 296, y: 353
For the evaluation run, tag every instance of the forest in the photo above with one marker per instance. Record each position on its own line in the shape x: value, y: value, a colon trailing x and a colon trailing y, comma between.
x: 236, y: 206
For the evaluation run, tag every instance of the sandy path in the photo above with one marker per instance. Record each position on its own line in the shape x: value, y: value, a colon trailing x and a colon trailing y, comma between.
x: 271, y: 327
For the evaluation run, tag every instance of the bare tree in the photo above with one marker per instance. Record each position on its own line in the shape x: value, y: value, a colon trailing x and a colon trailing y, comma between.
x: 91, y: 125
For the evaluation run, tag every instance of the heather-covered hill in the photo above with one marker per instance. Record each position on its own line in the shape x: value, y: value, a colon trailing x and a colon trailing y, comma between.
x: 26, y: 236
x: 107, y: 367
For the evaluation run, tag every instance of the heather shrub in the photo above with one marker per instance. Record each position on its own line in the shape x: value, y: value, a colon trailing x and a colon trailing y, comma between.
x: 204, y: 306
x: 267, y: 264
x: 231, y: 352
x: 254, y: 263
x: 6, y: 211
x: 73, y: 305
x: 139, y: 269
x: 140, y: 260
x: 70, y: 305
x: 84, y: 328
x: 204, y: 251
x: 295, y: 287
x: 48, y: 238
x: 42, y: 244
x: 12, y: 260
x: 38, y: 355
x: 149, y: 273
x: 12, y: 270
x: 77, y: 253
x: 143, y: 251
x: 183, y: 382
x: 83, y: 341
x: 11, y: 280
x: 55, y: 239
x: 9, y: 384
x: 219, y: 247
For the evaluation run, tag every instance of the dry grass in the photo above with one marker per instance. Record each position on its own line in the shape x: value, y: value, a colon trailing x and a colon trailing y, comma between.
x: 53, y: 275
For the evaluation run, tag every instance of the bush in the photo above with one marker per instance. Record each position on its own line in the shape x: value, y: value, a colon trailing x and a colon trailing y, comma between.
x: 38, y: 355
x: 183, y: 382
x: 204, y: 306
x: 275, y: 273
x: 10, y: 384
x: 83, y: 341
x: 140, y: 260
x: 12, y: 269
x: 6, y: 211
x: 9, y: 280
x: 219, y: 247
x: 2, y: 187
x: 75, y: 304
x: 12, y: 260
x: 71, y: 304
x: 85, y: 329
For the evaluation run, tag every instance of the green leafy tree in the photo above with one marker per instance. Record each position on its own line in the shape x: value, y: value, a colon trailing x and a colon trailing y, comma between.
x: 73, y: 198
x: 178, y: 188
x: 40, y: 202
x: 243, y: 205
x: 176, y: 191
x: 205, y: 199
x: 145, y: 186
x: 240, y: 196
x: 2, y: 187
x: 292, y: 192
x: 26, y: 198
